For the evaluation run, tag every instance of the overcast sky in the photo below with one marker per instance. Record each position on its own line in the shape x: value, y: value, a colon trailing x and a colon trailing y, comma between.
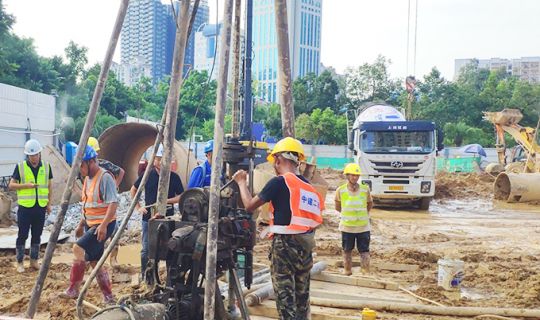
x: 353, y: 31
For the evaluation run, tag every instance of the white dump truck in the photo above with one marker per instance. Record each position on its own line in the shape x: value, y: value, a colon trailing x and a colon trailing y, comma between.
x: 398, y: 158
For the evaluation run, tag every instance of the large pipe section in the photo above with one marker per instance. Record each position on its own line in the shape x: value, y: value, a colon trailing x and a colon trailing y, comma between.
x: 517, y: 187
x: 124, y: 144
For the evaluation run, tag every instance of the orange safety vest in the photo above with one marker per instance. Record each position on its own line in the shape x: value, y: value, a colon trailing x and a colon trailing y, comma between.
x: 306, y: 208
x: 94, y: 208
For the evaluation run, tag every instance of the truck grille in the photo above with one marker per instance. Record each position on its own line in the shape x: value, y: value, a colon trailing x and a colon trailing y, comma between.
x: 396, y: 168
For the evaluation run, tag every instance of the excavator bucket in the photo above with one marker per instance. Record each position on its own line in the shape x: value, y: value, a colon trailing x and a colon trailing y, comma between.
x: 507, y: 117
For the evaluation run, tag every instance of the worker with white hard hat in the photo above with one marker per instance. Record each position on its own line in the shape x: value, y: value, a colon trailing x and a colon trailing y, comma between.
x: 148, y: 210
x: 353, y: 200
x: 32, y: 181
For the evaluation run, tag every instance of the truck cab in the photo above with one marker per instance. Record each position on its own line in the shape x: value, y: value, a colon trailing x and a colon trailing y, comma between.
x: 398, y: 158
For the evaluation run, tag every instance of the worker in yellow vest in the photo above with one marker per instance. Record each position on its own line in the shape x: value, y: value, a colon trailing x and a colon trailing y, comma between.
x: 32, y: 181
x: 98, y: 222
x: 354, y: 202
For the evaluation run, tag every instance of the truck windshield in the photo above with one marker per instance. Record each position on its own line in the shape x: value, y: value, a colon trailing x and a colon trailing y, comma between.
x: 397, y: 142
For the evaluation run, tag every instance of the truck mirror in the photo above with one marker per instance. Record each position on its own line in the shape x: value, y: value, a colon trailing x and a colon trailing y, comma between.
x: 351, y: 140
x: 440, y: 139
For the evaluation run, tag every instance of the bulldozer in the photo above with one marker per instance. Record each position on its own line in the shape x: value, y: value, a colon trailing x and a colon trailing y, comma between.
x: 518, y: 180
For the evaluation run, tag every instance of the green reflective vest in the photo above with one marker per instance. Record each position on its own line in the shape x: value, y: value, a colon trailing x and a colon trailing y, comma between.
x: 27, y: 197
x: 354, y: 211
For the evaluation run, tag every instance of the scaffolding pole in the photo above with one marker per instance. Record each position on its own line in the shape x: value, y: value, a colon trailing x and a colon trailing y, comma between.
x: 236, y: 70
x: 74, y: 171
x: 171, y: 106
x: 284, y: 78
x: 217, y: 165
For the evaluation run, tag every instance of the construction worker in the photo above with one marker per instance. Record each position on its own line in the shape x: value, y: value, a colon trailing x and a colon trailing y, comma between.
x: 150, y: 198
x: 32, y: 181
x: 100, y: 201
x: 296, y: 211
x: 200, y: 176
x: 354, y: 202
x: 118, y: 173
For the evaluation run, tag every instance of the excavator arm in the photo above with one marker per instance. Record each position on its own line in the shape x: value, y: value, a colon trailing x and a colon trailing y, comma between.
x: 506, y: 121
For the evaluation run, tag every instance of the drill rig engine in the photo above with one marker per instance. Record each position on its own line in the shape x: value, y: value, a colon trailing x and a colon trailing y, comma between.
x: 180, y: 241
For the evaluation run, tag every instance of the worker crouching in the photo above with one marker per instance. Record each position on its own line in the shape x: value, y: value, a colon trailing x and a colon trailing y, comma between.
x: 100, y: 201
x: 296, y: 211
x: 354, y: 202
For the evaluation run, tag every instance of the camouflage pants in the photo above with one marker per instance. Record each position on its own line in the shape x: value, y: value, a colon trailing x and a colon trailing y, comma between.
x: 291, y: 262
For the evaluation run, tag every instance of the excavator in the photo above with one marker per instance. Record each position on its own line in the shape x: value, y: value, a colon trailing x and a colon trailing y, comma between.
x: 518, y: 179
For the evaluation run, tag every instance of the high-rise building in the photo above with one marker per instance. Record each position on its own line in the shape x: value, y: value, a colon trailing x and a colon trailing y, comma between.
x: 304, y: 19
x: 148, y: 36
x: 144, y: 35
x: 525, y: 68
x: 207, y: 49
x: 203, y: 13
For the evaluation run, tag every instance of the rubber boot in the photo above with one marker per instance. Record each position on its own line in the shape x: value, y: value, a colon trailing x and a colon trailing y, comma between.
x: 104, y: 282
x: 364, y: 262
x: 347, y: 263
x: 20, y: 267
x: 75, y: 279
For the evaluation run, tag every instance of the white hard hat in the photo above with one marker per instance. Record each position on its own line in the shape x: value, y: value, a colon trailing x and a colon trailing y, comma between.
x: 32, y: 147
x: 159, y: 152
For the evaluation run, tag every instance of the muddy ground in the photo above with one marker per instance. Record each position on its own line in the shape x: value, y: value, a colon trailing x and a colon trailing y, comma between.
x: 499, y: 243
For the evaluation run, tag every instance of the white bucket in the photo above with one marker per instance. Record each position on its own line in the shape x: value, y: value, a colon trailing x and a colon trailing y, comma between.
x: 451, y: 273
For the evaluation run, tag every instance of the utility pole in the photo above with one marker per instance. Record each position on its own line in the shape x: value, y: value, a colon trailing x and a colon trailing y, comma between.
x: 217, y: 165
x: 236, y: 70
x: 171, y: 106
x: 74, y: 171
x: 248, y: 59
x: 284, y: 78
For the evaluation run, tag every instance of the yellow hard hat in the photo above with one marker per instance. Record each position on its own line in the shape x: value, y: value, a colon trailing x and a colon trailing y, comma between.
x: 352, y: 168
x: 94, y: 143
x: 287, y: 145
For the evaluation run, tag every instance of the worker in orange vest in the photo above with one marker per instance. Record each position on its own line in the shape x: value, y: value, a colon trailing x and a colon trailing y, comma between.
x: 296, y: 211
x: 100, y: 201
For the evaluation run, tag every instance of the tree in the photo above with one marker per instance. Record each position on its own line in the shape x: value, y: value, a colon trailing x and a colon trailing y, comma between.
x: 322, y: 126
x: 311, y: 91
x: 371, y: 82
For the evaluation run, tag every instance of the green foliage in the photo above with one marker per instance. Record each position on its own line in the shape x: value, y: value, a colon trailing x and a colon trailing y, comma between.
x: 458, y: 134
x: 313, y: 91
x: 322, y: 126
x: 371, y: 82
x: 207, y: 130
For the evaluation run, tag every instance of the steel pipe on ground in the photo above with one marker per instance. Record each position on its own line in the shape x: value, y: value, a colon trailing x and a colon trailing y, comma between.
x: 517, y: 187
x: 124, y: 145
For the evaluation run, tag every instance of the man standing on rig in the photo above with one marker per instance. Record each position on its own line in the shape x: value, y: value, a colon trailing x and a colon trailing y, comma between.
x: 296, y: 211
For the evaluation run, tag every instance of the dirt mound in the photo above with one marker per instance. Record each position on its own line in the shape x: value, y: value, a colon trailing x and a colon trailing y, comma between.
x: 413, y: 256
x: 463, y: 185
x: 334, y: 177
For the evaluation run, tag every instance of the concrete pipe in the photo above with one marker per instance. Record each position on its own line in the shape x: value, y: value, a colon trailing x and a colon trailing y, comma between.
x: 124, y: 145
x: 517, y: 187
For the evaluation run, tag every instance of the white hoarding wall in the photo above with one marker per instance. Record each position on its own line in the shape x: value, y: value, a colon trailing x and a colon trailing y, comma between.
x: 24, y: 114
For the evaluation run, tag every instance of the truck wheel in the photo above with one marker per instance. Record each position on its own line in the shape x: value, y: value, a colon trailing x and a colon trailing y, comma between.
x: 423, y: 203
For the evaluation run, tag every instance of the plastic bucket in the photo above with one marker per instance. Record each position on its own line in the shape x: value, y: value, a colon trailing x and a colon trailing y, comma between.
x: 451, y: 273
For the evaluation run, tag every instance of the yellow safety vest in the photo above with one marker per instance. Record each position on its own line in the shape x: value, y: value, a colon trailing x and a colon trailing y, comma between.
x: 354, y: 211
x: 27, y: 197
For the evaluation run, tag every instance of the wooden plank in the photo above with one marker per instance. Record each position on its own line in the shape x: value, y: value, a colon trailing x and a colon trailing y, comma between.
x: 355, y: 281
x: 384, y: 266
x: 395, y: 266
x: 268, y: 310
x: 351, y: 296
